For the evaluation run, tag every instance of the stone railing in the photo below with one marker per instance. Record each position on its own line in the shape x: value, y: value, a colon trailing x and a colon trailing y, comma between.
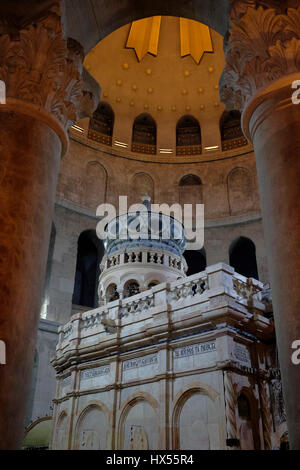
x: 145, y: 257
x: 99, y: 137
x: 195, y: 290
x: 189, y: 150
x: 143, y: 148
x: 191, y: 287
x: 232, y: 144
x: 132, y: 305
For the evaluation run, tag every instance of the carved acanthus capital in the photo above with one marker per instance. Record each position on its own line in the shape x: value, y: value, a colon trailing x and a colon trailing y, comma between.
x: 263, y: 45
x: 39, y: 66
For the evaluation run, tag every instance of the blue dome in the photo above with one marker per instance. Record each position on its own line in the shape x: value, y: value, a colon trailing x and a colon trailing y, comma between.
x: 145, y: 229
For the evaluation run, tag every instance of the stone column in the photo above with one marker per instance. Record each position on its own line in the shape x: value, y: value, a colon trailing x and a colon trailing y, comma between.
x: 43, y: 76
x: 262, y: 55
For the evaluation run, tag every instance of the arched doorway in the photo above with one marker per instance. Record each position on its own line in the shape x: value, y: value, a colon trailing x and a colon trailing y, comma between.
x: 242, y: 257
x: 196, y: 261
x: 89, y: 254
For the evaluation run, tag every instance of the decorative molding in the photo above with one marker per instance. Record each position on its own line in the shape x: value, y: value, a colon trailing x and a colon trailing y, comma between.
x: 263, y: 45
x: 40, y: 67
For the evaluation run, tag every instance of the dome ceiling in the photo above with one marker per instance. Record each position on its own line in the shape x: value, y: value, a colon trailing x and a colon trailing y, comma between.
x: 160, y: 66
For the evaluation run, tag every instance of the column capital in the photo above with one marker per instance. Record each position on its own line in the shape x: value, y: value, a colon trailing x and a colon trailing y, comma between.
x: 262, y: 46
x: 43, y: 71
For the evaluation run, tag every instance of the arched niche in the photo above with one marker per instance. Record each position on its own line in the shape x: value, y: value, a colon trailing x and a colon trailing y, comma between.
x: 141, y: 184
x: 61, y: 432
x: 231, y: 132
x: 111, y: 293
x: 131, y: 287
x: 95, y: 183
x: 242, y: 257
x: 92, y: 429
x: 195, y: 421
x: 190, y: 190
x: 247, y: 421
x: 188, y: 136
x: 144, y: 134
x: 240, y: 191
x: 139, y: 426
x: 102, y: 124
x: 89, y: 255
x: 153, y: 284
x: 196, y: 261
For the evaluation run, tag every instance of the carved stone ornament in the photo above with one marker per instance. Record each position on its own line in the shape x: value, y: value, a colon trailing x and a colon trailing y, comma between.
x: 262, y: 45
x: 230, y: 405
x: 40, y: 67
x: 279, y: 413
x: 266, y: 414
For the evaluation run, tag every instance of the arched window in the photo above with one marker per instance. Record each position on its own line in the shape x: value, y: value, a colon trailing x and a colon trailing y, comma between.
x: 242, y: 257
x: 231, y: 132
x: 102, y: 124
x: 131, y: 288
x: 112, y: 293
x: 190, y: 190
x: 188, y: 136
x: 196, y: 261
x: 89, y: 255
x: 144, y: 134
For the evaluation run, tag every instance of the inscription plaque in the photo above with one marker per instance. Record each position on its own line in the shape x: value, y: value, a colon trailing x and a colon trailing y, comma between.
x: 91, y: 373
x: 140, y: 362
x: 195, y: 349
